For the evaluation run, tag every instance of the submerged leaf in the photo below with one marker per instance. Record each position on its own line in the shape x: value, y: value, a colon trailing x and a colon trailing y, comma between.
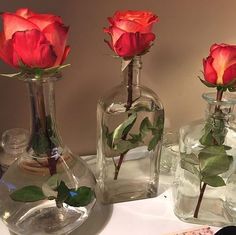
x: 124, y: 128
x: 214, y: 161
x: 28, y: 194
x: 189, y: 167
x: 80, y: 197
x: 63, y: 193
x: 153, y: 142
x: 125, y: 145
x: 214, y: 181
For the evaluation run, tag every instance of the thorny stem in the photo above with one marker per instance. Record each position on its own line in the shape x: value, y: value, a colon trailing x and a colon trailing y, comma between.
x: 128, y: 106
x: 202, y: 188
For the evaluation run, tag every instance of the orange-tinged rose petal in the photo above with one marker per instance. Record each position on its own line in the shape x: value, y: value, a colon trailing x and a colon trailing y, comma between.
x: 32, y: 49
x: 13, y: 23
x: 229, y: 74
x: 24, y: 12
x: 43, y: 20
x: 65, y: 54
x: 6, y: 50
x: 57, y: 35
x: 210, y: 74
x: 131, y: 44
x: 223, y: 57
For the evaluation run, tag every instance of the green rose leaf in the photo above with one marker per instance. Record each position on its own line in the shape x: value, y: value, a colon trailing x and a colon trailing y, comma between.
x: 214, y: 181
x: 214, y: 163
x: 80, y: 197
x: 125, y: 145
x: 63, y: 193
x: 145, y: 126
x: 124, y: 128
x: 28, y: 194
x: 50, y: 187
x: 141, y: 106
x: 190, y: 158
x: 40, y: 143
x: 154, y: 141
x: 189, y: 167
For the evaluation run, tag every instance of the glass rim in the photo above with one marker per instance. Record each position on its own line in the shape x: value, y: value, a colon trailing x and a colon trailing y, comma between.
x: 228, y: 98
x: 43, y: 79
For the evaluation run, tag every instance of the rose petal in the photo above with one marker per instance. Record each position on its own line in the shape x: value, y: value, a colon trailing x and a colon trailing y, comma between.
x: 210, y: 74
x: 229, y: 74
x: 43, y: 20
x: 115, y: 33
x: 13, y: 23
x: 132, y: 26
x: 24, y: 12
x: 57, y: 34
x: 223, y: 57
x: 6, y: 50
x: 66, y: 52
x: 131, y: 44
x: 140, y: 17
x: 32, y: 48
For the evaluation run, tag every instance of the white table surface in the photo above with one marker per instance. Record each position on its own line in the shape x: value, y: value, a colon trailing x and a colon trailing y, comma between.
x: 152, y: 216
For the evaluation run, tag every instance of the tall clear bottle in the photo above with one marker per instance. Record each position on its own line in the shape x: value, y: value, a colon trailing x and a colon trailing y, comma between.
x: 130, y: 122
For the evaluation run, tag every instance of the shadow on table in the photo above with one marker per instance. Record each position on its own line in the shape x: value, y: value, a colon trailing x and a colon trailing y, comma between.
x: 97, y: 220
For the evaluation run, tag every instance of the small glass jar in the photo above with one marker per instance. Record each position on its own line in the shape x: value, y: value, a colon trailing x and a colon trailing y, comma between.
x: 14, y: 143
x: 208, y: 160
x: 169, y: 153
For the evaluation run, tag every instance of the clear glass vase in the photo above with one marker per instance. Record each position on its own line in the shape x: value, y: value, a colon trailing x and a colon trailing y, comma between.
x: 208, y: 159
x: 14, y: 143
x: 130, y: 121
x: 48, y: 190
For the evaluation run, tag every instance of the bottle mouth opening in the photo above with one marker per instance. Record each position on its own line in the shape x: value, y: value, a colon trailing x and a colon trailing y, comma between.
x: 42, y: 79
x: 227, y: 99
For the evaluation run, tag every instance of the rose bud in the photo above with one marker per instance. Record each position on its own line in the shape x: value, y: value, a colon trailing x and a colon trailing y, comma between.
x: 131, y: 32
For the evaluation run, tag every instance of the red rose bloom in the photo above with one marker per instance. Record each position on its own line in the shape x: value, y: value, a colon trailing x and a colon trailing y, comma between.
x: 220, y: 65
x: 131, y: 32
x: 33, y: 40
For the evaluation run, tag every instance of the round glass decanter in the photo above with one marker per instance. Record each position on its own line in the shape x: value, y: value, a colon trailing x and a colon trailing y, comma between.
x: 48, y: 190
x: 208, y: 158
x: 130, y: 122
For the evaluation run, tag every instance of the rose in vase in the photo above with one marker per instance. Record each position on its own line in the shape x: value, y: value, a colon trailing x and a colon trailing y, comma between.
x: 131, y: 36
x: 131, y: 32
x: 213, y: 160
x: 36, y: 44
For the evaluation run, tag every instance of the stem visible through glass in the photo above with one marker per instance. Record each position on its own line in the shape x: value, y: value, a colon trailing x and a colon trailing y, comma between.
x: 128, y: 106
x: 203, y: 187
x: 40, y: 124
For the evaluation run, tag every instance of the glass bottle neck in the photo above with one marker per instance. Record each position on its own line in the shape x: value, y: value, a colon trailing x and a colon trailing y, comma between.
x: 131, y: 71
x: 222, y: 108
x: 44, y: 134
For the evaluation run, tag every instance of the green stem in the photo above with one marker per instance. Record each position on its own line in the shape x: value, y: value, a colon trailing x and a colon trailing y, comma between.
x: 128, y: 106
x: 202, y: 189
x: 39, y: 113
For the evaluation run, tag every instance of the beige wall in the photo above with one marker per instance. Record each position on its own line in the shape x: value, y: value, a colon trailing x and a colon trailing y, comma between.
x: 186, y: 30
